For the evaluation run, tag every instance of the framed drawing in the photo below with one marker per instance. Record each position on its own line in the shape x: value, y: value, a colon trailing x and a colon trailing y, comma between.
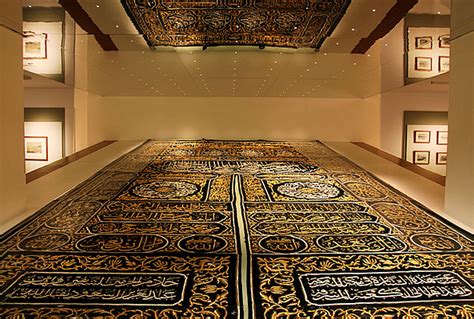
x: 421, y: 157
x: 442, y: 137
x: 424, y: 43
x: 36, y: 148
x: 35, y: 46
x: 443, y: 64
x: 444, y: 41
x: 423, y: 64
x: 441, y: 158
x: 422, y: 137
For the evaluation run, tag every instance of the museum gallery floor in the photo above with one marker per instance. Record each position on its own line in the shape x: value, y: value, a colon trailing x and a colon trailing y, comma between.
x: 255, y: 229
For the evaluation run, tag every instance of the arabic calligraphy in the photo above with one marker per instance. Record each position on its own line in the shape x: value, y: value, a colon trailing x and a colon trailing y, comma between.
x: 122, y: 243
x: 155, y: 289
x: 283, y: 244
x: 360, y: 243
x: 366, y: 288
x: 436, y: 242
x: 202, y: 244
x: 44, y: 242
x: 321, y: 228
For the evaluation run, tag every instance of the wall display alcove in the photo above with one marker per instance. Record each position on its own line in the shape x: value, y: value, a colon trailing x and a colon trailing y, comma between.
x: 426, y: 140
x: 44, y: 41
x: 427, y: 42
x: 44, y: 136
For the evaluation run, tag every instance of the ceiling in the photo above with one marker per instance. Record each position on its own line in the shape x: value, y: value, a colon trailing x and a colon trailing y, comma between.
x: 237, y: 71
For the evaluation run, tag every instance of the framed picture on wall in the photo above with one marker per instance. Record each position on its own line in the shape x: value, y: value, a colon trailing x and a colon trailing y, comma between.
x: 424, y: 43
x: 423, y: 64
x: 422, y: 137
x: 444, y: 41
x: 442, y: 137
x: 443, y: 64
x: 36, y: 148
x: 421, y: 157
x: 35, y: 46
x: 441, y: 158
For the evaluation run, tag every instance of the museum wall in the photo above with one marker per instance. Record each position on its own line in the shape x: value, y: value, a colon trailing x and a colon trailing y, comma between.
x: 234, y: 118
x: 12, y: 167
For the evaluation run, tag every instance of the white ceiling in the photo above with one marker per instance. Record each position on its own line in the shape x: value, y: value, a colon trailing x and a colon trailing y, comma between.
x: 137, y: 70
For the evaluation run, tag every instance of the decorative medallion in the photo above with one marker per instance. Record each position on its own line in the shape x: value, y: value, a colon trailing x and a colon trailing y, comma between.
x: 165, y: 189
x: 283, y: 244
x: 309, y: 190
x: 202, y: 244
x: 293, y: 23
x: 436, y: 242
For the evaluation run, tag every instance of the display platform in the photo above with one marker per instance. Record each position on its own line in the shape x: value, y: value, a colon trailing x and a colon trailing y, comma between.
x: 235, y: 229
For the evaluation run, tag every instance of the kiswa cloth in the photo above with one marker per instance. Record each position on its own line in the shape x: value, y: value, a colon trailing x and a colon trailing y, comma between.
x: 226, y: 229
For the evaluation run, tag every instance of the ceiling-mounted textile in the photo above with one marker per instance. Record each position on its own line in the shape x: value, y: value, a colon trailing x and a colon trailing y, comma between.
x: 282, y: 23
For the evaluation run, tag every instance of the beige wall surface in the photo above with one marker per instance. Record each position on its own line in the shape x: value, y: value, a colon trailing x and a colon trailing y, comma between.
x: 12, y: 176
x: 234, y: 118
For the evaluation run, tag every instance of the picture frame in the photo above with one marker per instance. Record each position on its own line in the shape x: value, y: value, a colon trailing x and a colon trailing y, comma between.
x: 422, y: 137
x: 35, y: 46
x: 444, y: 41
x: 423, y: 64
x: 442, y: 137
x: 421, y: 157
x: 36, y: 148
x: 443, y: 63
x: 424, y: 43
x: 441, y: 158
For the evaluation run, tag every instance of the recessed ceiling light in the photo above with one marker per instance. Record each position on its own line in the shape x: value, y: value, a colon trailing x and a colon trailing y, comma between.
x: 353, y: 29
x: 337, y: 43
x: 29, y: 6
x: 116, y: 25
x: 194, y: 61
x: 97, y: 6
x: 355, y: 63
x: 438, y: 12
x: 235, y: 52
x: 386, y: 44
x: 373, y: 10
x: 368, y: 55
x: 131, y: 41
x: 315, y: 62
x: 275, y: 61
x: 325, y: 54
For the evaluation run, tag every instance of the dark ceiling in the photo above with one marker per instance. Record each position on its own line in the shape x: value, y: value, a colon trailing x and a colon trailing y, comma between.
x: 282, y: 23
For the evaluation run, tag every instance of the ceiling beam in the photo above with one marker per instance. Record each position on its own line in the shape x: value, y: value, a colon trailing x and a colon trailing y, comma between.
x: 87, y: 24
x: 391, y: 19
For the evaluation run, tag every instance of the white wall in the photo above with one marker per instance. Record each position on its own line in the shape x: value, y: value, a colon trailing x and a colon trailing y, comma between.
x: 234, y: 118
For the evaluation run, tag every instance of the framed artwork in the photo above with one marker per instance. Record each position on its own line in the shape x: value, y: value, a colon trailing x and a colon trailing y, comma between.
x: 421, y: 157
x: 36, y: 148
x: 35, y: 46
x: 443, y: 63
x: 442, y: 137
x: 423, y: 64
x: 441, y: 158
x: 422, y: 137
x: 424, y: 43
x: 444, y: 41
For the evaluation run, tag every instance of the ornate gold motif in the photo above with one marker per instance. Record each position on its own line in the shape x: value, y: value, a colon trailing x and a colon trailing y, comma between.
x: 293, y: 23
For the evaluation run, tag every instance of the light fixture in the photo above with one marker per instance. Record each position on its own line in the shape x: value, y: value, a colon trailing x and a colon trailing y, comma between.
x: 353, y: 29
x: 373, y: 10
x: 97, y: 6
